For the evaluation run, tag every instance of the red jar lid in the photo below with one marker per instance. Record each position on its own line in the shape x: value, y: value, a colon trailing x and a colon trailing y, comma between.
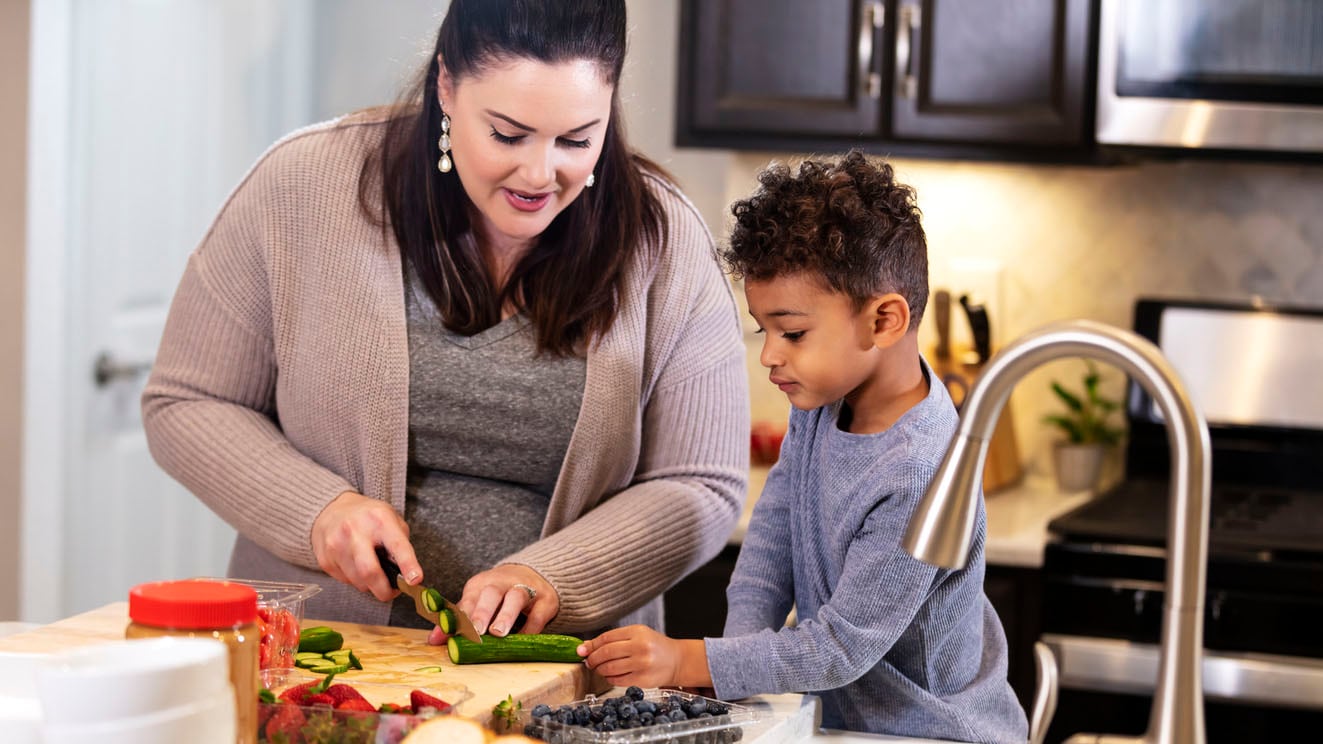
x: 194, y: 604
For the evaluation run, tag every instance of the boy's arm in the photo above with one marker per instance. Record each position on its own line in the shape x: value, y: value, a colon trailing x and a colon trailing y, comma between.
x: 879, y: 593
x: 761, y: 590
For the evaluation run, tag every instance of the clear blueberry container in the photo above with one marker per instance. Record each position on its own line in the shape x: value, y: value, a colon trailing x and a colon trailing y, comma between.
x: 654, y: 715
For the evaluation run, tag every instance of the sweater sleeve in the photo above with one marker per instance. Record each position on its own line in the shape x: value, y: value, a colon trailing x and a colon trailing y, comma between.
x: 690, y: 482
x: 880, y: 591
x: 209, y: 406
x: 762, y: 588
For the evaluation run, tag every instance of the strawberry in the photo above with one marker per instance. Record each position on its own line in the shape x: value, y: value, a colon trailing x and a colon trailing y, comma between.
x: 298, y: 693
x: 284, y: 725
x: 320, y: 698
x: 392, y: 708
x: 356, y: 704
x: 419, y: 700
x: 341, y: 693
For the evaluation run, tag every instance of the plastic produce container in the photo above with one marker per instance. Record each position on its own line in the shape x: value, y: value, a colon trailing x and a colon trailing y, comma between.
x: 322, y: 724
x: 279, y: 618
x: 726, y: 726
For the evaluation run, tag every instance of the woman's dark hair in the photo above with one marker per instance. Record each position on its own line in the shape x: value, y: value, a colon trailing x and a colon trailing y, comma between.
x: 848, y: 222
x: 570, y: 281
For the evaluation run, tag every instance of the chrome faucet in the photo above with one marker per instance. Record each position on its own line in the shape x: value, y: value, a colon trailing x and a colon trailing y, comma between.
x: 941, y: 530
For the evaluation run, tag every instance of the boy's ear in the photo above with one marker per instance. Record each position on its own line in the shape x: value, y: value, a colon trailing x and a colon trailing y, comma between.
x: 890, y: 319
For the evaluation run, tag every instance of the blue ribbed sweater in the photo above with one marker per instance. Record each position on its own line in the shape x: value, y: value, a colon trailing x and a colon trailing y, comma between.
x: 891, y: 644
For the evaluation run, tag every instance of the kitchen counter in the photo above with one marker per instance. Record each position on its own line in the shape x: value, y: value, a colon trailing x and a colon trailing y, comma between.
x: 1017, y: 517
x: 391, y: 655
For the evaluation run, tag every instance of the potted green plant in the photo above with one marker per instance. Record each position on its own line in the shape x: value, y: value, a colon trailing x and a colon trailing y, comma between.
x: 1080, y: 454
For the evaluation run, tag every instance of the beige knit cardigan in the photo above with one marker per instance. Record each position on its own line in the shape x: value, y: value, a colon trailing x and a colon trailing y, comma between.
x: 283, y: 374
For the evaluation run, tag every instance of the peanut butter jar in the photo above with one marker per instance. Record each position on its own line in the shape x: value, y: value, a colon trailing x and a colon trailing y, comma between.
x: 199, y: 608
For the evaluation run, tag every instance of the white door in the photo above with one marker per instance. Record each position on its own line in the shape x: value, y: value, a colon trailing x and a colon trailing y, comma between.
x: 165, y: 105
x: 144, y: 115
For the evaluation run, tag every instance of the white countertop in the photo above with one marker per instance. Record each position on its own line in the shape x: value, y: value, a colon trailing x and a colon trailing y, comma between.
x: 1017, y: 517
x: 795, y: 718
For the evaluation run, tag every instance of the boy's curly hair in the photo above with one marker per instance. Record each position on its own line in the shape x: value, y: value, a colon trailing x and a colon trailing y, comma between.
x: 850, y: 222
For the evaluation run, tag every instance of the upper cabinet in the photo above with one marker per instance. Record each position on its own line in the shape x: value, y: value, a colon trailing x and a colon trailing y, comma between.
x: 1009, y: 78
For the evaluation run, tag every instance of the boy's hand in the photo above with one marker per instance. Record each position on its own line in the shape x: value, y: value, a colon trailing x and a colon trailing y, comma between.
x: 639, y: 655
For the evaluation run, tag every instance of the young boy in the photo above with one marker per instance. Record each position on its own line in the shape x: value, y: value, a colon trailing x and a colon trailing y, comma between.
x: 836, y: 274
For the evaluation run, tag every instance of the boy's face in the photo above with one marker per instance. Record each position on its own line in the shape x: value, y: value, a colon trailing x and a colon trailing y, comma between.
x: 818, y: 346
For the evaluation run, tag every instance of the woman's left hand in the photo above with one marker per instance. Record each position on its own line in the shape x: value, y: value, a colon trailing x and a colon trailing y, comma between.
x: 494, y: 599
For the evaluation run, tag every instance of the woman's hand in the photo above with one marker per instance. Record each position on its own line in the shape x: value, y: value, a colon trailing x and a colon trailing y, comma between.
x: 345, y: 537
x: 494, y: 599
x: 639, y: 655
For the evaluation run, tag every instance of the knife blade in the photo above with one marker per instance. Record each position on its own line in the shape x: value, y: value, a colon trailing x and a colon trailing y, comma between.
x: 464, y: 625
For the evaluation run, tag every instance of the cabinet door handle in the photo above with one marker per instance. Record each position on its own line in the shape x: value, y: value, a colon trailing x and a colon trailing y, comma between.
x: 907, y: 79
x: 872, y: 16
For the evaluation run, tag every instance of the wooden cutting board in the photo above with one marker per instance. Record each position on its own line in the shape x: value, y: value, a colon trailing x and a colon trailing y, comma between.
x: 389, y: 655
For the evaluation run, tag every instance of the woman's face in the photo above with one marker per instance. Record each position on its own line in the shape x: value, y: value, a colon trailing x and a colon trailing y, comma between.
x: 524, y: 136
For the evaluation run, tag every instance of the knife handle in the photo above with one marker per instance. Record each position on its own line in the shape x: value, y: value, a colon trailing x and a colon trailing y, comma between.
x: 387, y: 565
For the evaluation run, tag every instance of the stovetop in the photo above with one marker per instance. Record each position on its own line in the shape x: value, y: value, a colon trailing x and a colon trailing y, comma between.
x: 1240, y: 518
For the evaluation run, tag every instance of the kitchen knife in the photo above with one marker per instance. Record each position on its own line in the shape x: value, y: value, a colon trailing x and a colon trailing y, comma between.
x: 979, y: 327
x: 462, y: 622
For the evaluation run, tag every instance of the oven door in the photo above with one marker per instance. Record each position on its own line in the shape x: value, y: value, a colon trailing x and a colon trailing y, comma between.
x: 1224, y: 74
x: 1106, y: 686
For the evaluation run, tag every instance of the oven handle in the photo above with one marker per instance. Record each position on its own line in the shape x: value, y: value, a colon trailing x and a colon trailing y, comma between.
x: 1111, y: 665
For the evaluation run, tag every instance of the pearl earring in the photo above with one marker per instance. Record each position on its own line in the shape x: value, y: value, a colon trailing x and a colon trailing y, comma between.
x: 444, y: 164
x: 590, y: 180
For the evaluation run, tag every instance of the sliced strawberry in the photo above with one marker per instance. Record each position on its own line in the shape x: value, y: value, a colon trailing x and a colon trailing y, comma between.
x: 320, y: 698
x: 419, y: 700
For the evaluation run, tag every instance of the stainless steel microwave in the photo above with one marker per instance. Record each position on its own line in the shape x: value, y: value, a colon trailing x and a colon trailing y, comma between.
x: 1220, y: 74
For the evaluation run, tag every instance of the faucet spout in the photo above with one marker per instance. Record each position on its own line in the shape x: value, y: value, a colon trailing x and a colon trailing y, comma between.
x: 941, y: 530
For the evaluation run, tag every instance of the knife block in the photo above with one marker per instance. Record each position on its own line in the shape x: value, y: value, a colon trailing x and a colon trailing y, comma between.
x: 1002, y: 467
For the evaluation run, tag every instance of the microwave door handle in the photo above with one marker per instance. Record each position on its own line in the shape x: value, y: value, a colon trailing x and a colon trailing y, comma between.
x: 910, y: 22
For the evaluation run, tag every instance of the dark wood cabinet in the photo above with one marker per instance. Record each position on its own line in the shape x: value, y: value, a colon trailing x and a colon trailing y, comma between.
x: 1017, y: 596
x: 696, y: 606
x: 924, y: 77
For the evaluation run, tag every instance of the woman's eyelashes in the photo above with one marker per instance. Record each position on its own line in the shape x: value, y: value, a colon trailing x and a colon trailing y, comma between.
x: 566, y: 141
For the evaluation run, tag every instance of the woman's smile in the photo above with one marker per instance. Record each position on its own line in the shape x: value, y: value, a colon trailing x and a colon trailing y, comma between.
x: 526, y: 202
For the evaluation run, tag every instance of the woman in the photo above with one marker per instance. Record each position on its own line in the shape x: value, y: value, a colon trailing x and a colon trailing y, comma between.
x: 473, y: 329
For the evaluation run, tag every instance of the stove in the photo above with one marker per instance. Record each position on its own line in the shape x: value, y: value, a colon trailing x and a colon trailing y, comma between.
x: 1253, y: 372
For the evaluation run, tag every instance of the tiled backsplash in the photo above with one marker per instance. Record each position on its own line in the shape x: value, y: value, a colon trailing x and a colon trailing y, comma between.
x: 1084, y: 242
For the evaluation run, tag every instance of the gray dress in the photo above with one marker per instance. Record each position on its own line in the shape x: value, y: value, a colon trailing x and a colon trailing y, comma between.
x: 489, y: 424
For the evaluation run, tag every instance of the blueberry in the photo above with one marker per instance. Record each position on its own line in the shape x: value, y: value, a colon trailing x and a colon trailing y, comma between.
x: 646, y: 719
x: 697, y: 707
x: 628, y: 711
x: 634, y: 692
x: 646, y: 706
x: 564, y: 716
x: 678, y: 716
x: 582, y: 715
x: 595, y: 714
x: 542, y: 711
x: 718, y: 709
x: 608, y: 725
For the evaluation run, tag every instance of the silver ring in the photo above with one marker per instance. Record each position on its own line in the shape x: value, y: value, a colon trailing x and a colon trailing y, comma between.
x: 530, y: 591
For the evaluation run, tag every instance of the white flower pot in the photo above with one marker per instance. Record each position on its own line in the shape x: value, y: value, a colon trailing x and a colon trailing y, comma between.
x: 1078, y: 465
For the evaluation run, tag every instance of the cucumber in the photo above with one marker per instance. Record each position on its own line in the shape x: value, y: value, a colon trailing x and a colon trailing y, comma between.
x: 514, y: 647
x: 329, y: 669
x: 447, y: 622
x: 431, y: 600
x: 320, y: 639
